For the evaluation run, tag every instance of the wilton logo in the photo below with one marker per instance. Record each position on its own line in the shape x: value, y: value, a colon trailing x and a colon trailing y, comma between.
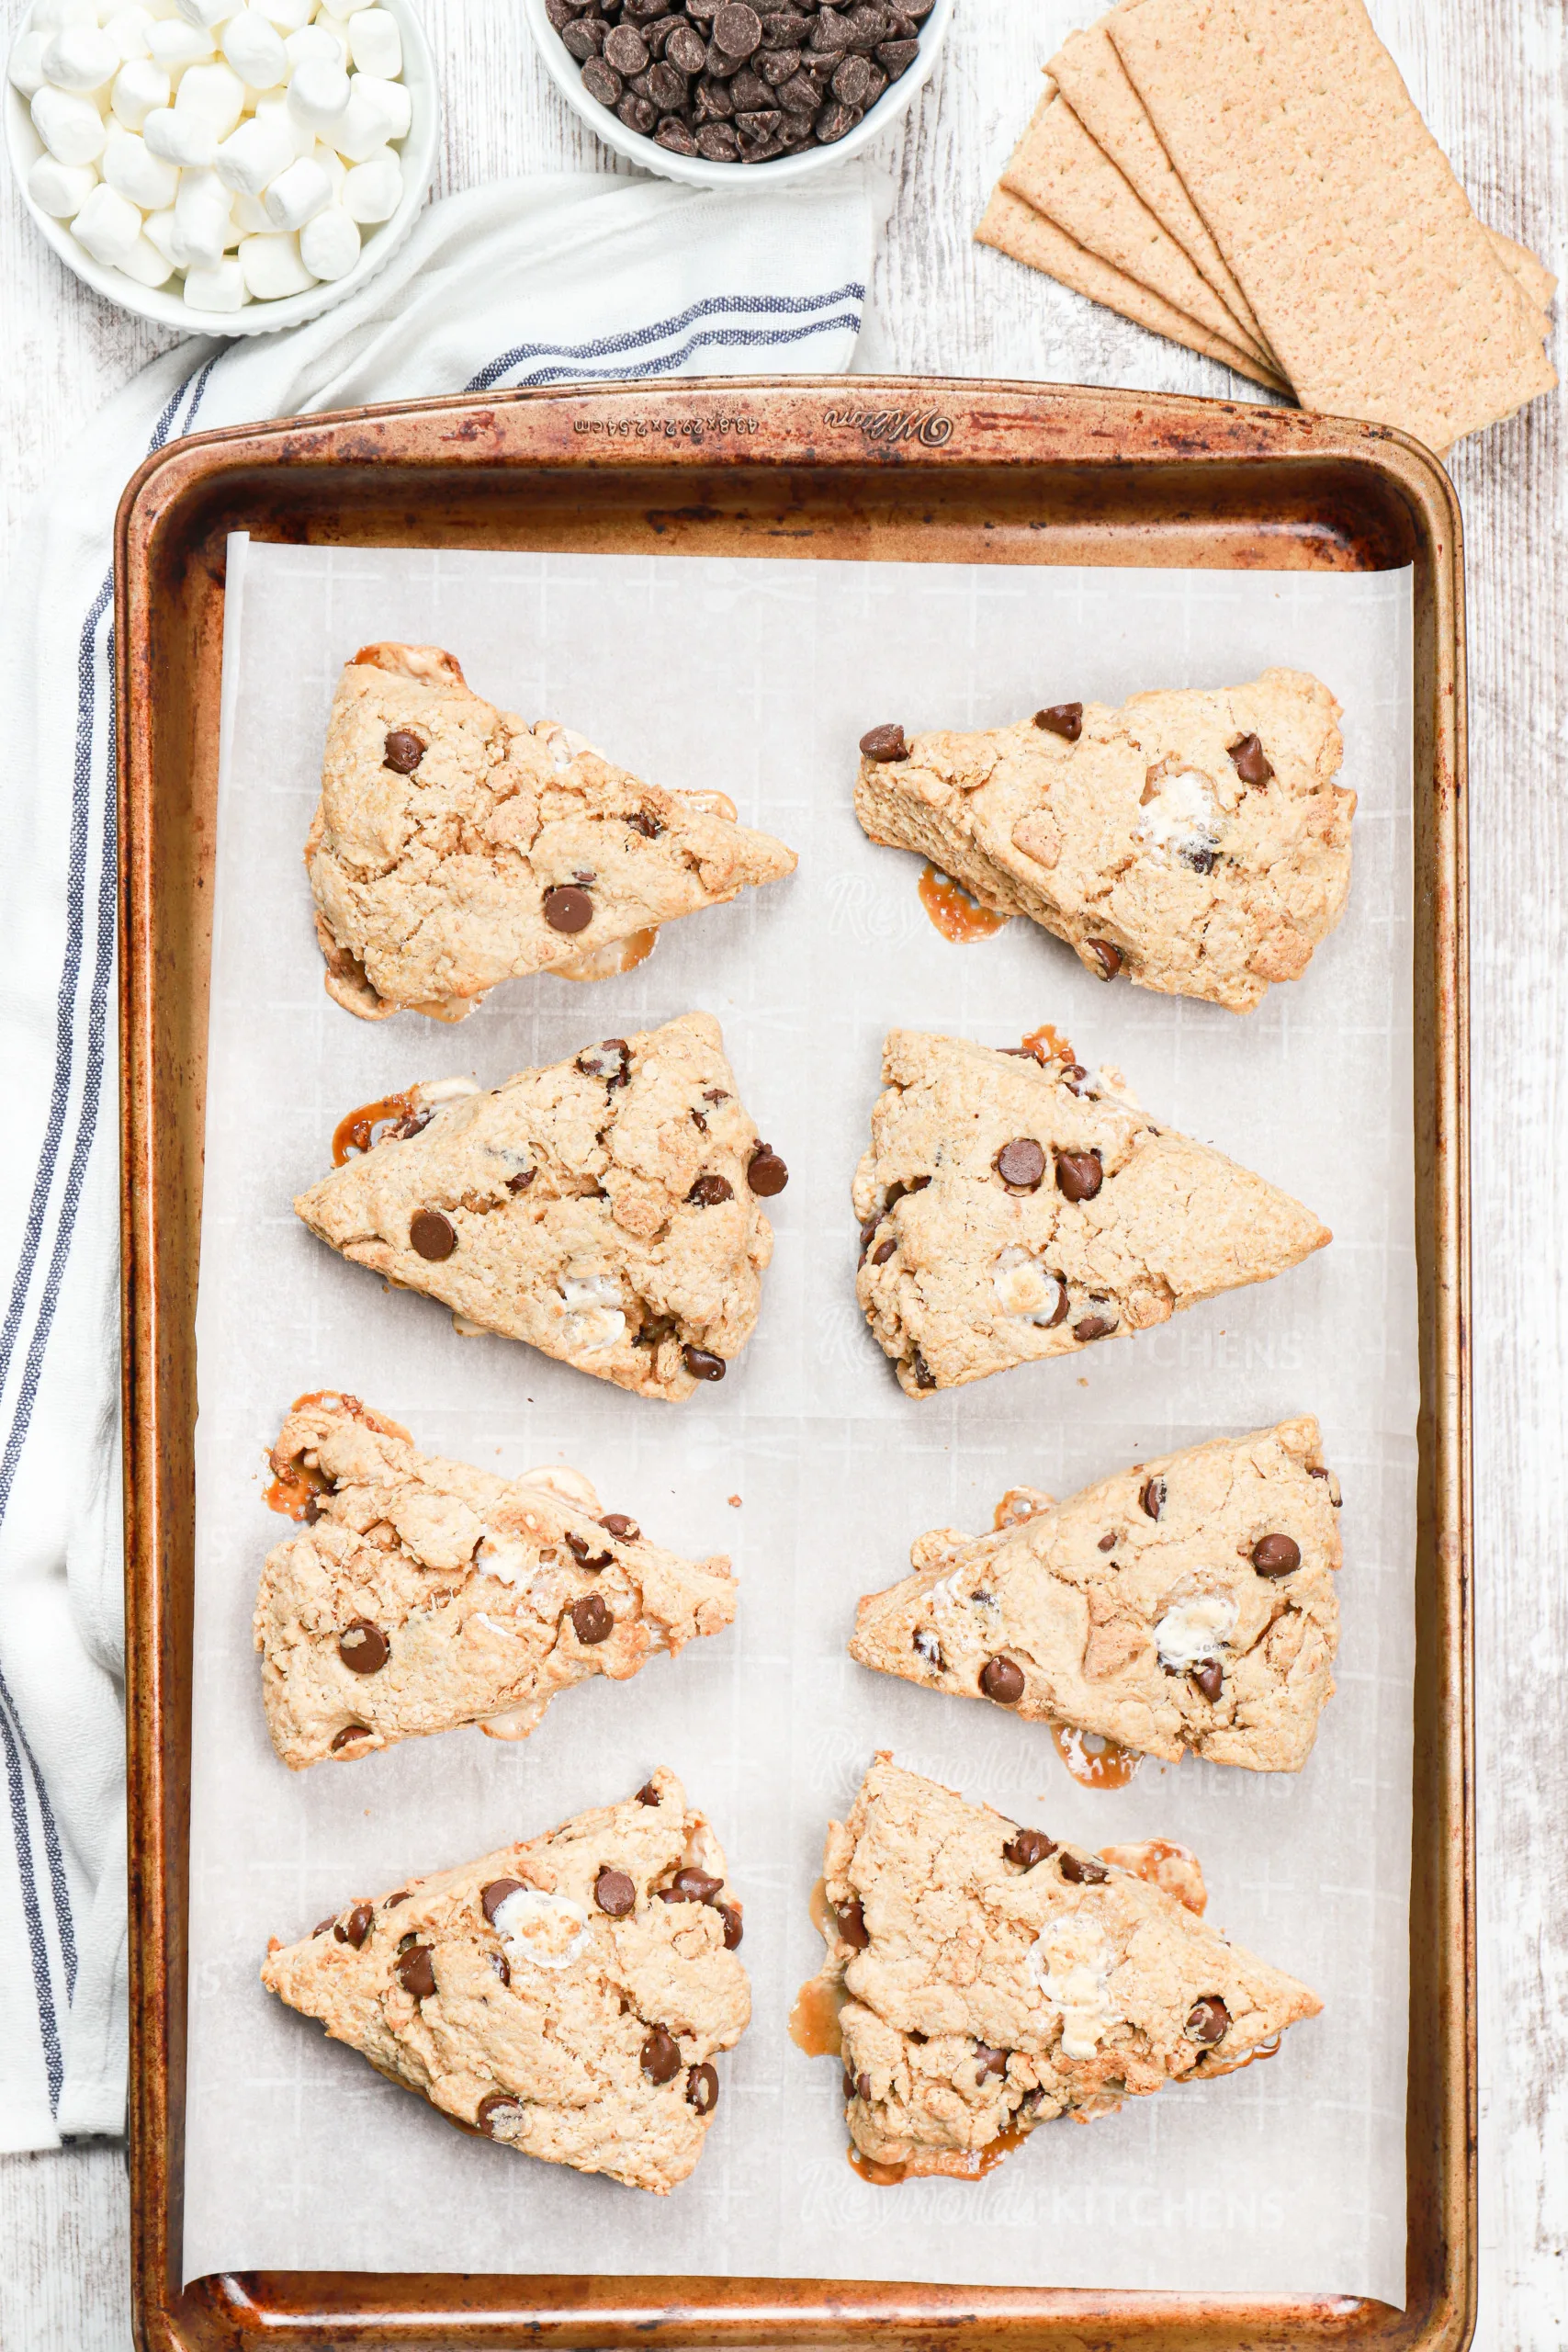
x: 926, y: 426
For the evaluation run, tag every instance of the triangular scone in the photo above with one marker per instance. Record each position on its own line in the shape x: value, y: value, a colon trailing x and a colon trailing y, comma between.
x: 606, y: 1209
x: 454, y: 846
x: 1014, y: 1208
x: 1195, y: 841
x: 994, y: 1978
x: 1188, y: 1602
x: 422, y: 1594
x: 565, y: 1995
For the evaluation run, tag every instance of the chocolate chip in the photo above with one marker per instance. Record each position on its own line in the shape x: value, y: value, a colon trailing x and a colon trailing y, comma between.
x: 738, y: 30
x: 1094, y: 1327
x: 498, y: 1966
x: 349, y: 1736
x: 1247, y: 758
x: 765, y: 1172
x: 883, y: 744
x: 600, y: 82
x: 1063, y: 718
x: 626, y: 50
x: 733, y: 1930
x: 431, y: 1236
x: 357, y: 1927
x: 881, y: 1253
x: 614, y: 1892
x: 586, y: 1555
x: 690, y: 1885
x: 640, y: 115
x: 1108, y: 1542
x: 852, y: 1923
x: 1083, y: 1873
x: 583, y: 39
x: 718, y: 142
x: 1151, y: 1497
x: 565, y: 907
x: 1002, y: 1679
x: 708, y: 1191
x: 673, y: 136
x: 416, y: 1972
x: 1078, y: 1175
x: 521, y: 1181
x: 895, y: 57
x: 1029, y: 1847
x: 1020, y: 1164
x: 852, y: 81
x: 624, y: 1530
x: 1210, y: 1678
x: 591, y: 1620
x: 702, y: 1363
x: 685, y: 50
x: 362, y: 1647
x: 926, y: 1645
x: 322, y: 1926
x: 404, y: 751
x: 393, y: 1900
x: 835, y: 122
x: 990, y: 2060
x: 1059, y: 1312
x: 1107, y: 959
x: 493, y: 1895
x: 861, y: 2084
x: 1276, y: 1555
x: 1208, y: 2020
x: 648, y: 1793
x: 660, y: 2056
x: 924, y: 1376
x: 499, y: 2107
x: 702, y: 2083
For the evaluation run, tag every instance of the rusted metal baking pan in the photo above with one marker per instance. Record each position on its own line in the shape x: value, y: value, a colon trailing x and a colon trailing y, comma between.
x: 858, y: 468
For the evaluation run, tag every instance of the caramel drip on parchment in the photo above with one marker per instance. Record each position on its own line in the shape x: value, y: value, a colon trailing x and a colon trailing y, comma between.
x: 1094, y: 1762
x: 608, y: 963
x: 294, y: 1489
x: 957, y: 915
x: 355, y: 1132
x: 945, y: 2165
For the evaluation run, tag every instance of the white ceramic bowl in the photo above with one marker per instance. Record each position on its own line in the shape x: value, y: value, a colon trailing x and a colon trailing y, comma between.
x: 170, y: 308
x: 695, y: 170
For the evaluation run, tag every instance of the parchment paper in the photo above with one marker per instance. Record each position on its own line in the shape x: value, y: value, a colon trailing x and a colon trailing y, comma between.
x: 808, y: 1464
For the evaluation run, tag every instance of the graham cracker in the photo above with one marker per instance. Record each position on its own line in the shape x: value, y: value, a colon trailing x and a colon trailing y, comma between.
x: 1380, y: 294
x: 1528, y: 270
x: 1015, y: 229
x: 1093, y: 80
x: 1058, y: 170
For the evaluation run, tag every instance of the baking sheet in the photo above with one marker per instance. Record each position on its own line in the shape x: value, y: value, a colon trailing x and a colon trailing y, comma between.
x: 808, y: 1465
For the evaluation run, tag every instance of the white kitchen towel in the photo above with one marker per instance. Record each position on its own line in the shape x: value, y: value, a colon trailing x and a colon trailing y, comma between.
x: 538, y: 281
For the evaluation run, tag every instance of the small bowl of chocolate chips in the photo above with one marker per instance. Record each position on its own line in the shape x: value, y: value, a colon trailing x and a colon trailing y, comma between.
x: 693, y: 89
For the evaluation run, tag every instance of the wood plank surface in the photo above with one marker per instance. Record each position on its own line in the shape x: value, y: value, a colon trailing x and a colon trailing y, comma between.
x: 1492, y: 76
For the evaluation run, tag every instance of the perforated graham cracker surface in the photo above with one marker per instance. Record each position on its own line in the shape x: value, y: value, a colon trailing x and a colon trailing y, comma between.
x: 1014, y: 228
x: 1093, y: 80
x: 1380, y: 292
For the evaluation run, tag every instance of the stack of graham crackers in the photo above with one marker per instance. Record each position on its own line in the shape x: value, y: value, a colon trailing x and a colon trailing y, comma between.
x: 1251, y: 178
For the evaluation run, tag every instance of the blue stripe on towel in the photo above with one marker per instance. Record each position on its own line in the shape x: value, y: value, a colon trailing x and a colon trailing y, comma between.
x: 562, y: 358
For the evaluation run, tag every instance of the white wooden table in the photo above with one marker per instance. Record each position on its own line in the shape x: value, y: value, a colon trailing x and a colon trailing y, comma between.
x: 1492, y: 76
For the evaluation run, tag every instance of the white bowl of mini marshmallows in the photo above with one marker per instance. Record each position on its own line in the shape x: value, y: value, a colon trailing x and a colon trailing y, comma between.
x: 224, y: 166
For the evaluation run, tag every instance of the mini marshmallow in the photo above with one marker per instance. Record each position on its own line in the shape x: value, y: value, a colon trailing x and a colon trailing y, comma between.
x: 374, y: 43
x: 61, y: 189
x: 330, y: 245
x: 206, y: 13
x: 254, y: 49
x: 249, y: 217
x: 70, y: 125
x: 275, y: 108
x: 173, y: 45
x: 80, y: 57
x: 374, y: 189
x: 288, y: 16
x: 187, y: 139
x: 377, y: 111
x: 315, y: 41
x: 133, y: 171
x: 158, y: 230
x: 146, y: 264
x: 139, y: 86
x: 221, y: 288
x: 129, y: 28
x: 297, y: 194
x: 109, y: 225
x: 215, y: 93
x: 273, y: 267
x: 336, y: 170
x: 351, y: 7
x: 24, y: 67
x: 202, y: 223
x: 318, y: 93
x: 253, y: 155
